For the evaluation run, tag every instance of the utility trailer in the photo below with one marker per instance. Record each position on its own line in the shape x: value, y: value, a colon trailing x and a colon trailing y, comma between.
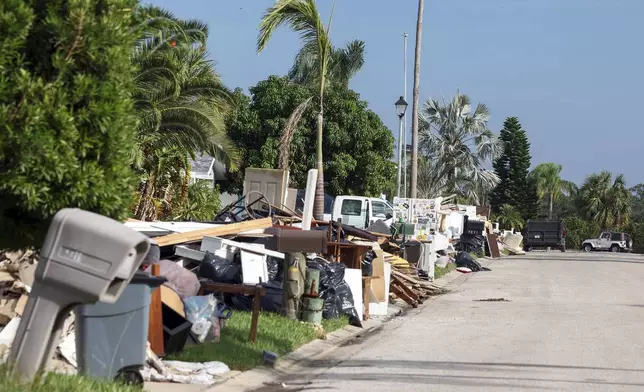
x: 544, y: 234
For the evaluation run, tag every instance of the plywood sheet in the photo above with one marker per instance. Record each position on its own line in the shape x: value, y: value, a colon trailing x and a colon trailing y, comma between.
x: 379, y: 308
x: 493, y: 245
x: 378, y: 285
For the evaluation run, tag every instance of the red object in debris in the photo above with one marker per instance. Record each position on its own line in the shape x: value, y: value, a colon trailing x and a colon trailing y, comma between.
x: 173, y: 43
x: 313, y: 293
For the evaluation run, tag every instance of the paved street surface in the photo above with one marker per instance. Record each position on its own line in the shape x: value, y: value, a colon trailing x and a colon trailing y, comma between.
x: 574, y: 322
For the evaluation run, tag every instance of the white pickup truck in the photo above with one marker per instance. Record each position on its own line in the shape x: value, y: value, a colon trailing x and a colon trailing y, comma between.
x: 361, y: 211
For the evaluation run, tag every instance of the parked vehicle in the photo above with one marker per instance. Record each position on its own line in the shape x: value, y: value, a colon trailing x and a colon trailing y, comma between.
x: 609, y: 241
x: 544, y: 234
x: 361, y: 211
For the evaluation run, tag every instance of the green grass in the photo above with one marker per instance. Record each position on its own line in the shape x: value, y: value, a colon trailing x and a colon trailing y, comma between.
x: 275, y: 333
x: 439, y: 272
x: 59, y: 383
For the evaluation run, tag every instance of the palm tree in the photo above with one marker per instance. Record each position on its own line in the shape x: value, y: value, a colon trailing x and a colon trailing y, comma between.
x: 458, y: 144
x: 302, y: 16
x: 606, y: 201
x: 415, y: 101
x: 510, y: 217
x: 344, y: 64
x: 181, y: 104
x: 180, y: 99
x: 549, y: 183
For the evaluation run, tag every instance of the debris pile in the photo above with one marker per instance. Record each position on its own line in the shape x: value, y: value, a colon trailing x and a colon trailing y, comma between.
x: 214, y: 269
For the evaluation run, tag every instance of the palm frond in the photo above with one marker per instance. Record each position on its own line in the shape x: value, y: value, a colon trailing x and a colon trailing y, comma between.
x: 301, y: 16
x: 287, y: 133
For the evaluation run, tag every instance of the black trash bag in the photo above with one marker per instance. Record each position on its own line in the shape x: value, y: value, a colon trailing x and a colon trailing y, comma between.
x: 334, y: 291
x: 219, y: 269
x: 463, y: 259
x: 274, y: 266
x: 471, y: 243
x: 271, y: 302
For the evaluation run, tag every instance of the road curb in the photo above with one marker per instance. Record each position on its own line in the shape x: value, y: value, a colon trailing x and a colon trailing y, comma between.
x: 261, y: 376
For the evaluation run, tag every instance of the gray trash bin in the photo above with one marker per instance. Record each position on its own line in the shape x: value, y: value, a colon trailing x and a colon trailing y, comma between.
x: 111, y: 339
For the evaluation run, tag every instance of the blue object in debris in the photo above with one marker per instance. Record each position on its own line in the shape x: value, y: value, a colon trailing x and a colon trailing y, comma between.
x: 270, y: 358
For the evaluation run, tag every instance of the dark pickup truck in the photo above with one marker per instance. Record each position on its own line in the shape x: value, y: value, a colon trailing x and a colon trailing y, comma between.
x: 544, y: 234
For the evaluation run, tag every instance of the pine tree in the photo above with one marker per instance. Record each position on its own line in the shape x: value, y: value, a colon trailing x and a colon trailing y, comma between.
x: 513, y: 167
x: 67, y: 118
x: 499, y: 195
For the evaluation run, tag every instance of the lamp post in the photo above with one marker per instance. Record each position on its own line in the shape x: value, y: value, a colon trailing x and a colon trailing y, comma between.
x: 401, y: 108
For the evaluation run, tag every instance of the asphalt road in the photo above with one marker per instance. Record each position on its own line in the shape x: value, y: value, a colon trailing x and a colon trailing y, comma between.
x: 568, y: 322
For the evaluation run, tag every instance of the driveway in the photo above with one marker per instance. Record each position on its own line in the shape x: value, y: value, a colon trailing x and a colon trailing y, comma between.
x: 554, y: 322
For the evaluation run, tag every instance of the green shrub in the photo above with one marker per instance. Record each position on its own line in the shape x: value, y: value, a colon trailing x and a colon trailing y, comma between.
x: 201, y: 204
x: 578, y: 230
x: 67, y: 120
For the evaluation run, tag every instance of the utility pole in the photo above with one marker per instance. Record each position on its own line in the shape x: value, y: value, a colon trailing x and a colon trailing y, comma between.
x: 414, y: 120
x: 404, y: 192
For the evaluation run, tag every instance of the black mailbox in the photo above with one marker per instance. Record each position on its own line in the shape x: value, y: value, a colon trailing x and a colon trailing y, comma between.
x: 305, y: 241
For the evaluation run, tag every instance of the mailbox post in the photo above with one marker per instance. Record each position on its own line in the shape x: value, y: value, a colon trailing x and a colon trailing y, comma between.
x: 293, y: 243
x: 85, y: 258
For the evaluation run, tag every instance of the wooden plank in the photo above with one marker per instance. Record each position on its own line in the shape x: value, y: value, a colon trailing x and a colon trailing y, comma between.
x: 407, y: 290
x: 407, y: 278
x: 155, y: 326
x: 197, y: 235
x: 233, y: 288
x: 366, y: 296
x: 396, y: 289
x: 255, y: 316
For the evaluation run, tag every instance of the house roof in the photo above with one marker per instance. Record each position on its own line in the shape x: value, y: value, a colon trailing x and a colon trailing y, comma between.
x: 206, y: 166
x: 202, y: 165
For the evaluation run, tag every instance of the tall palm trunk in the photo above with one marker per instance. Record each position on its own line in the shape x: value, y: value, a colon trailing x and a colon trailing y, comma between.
x: 318, y: 205
x: 414, y: 113
x: 551, y: 203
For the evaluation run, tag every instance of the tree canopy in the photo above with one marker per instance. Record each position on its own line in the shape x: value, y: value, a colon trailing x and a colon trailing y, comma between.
x: 513, y: 169
x: 457, y: 144
x: 357, y: 145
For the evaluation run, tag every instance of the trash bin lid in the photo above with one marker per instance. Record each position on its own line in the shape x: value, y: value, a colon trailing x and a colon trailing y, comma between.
x: 146, y: 278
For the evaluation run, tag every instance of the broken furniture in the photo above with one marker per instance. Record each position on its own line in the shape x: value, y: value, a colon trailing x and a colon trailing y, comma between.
x: 245, y: 208
x: 256, y: 292
x: 85, y: 258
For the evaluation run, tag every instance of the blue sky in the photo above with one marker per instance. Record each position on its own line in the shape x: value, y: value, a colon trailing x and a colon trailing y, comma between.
x: 570, y: 70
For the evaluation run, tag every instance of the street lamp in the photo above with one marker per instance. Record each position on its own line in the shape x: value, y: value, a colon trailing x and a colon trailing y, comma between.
x: 401, y: 108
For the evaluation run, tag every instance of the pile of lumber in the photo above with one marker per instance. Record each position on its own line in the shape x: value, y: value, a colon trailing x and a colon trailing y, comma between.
x: 411, y: 289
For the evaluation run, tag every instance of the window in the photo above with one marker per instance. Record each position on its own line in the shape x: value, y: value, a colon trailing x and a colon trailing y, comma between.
x: 616, y: 236
x: 381, y: 209
x: 605, y: 236
x: 351, y: 207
